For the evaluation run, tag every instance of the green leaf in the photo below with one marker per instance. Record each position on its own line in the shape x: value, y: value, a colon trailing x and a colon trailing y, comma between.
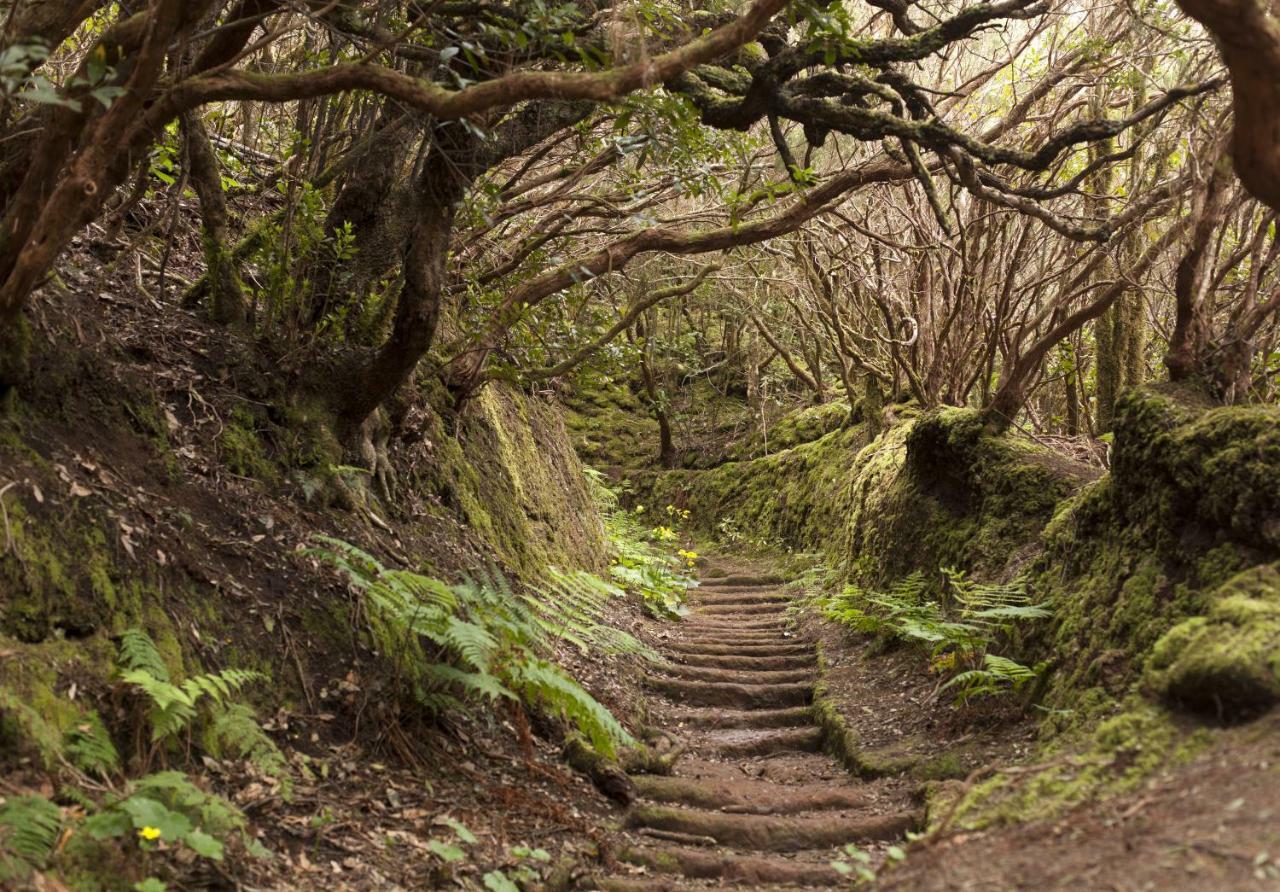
x: 459, y: 828
x: 445, y: 850
x: 498, y: 882
x: 146, y: 812
x: 150, y: 884
x: 204, y: 845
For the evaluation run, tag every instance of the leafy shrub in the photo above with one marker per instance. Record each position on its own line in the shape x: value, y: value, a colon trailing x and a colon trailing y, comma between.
x: 167, y: 807
x: 453, y: 644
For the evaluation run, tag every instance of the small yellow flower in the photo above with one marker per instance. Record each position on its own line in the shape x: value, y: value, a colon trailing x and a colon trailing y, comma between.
x: 150, y: 833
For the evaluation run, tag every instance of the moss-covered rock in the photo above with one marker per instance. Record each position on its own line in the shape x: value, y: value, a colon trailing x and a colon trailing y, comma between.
x: 1225, y: 664
x: 1191, y: 502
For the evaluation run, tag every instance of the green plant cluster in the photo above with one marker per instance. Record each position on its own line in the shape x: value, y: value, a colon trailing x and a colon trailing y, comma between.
x: 643, y: 558
x: 957, y: 626
x: 453, y: 644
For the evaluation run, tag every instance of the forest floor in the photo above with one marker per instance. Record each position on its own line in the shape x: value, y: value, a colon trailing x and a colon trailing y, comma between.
x: 751, y: 802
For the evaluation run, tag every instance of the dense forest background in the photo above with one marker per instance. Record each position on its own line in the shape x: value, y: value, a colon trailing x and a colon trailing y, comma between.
x: 312, y: 313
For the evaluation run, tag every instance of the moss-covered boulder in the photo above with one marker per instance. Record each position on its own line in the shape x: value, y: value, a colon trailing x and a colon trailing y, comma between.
x: 1193, y: 500
x: 1228, y: 662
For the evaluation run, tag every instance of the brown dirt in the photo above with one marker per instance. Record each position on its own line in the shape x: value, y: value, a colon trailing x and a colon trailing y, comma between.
x: 1213, y: 824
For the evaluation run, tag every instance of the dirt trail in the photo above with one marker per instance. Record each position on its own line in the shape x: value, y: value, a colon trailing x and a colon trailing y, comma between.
x: 753, y: 802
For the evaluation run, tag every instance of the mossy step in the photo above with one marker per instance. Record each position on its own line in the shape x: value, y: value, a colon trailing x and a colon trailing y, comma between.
x: 741, y: 636
x: 768, y: 608
x: 774, y: 833
x: 740, y: 743
x: 746, y: 596
x: 741, y: 676
x: 748, y: 663
x: 769, y: 624
x: 736, y: 696
x: 657, y: 884
x: 791, y: 717
x: 743, y: 580
x: 734, y: 649
x: 757, y: 797
x: 752, y: 871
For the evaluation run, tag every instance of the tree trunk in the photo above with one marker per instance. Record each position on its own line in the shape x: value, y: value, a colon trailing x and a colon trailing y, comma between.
x: 1192, y: 327
x: 227, y: 303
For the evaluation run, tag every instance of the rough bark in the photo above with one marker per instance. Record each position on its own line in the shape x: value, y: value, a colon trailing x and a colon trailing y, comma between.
x: 227, y: 303
x: 1248, y: 36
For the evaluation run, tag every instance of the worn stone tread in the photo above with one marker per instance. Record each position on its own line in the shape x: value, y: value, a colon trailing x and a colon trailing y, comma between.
x: 774, y: 833
x: 746, y: 796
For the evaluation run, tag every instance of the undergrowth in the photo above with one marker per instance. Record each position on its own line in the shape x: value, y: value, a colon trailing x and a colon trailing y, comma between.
x: 955, y: 620
x: 645, y: 560
x: 453, y: 645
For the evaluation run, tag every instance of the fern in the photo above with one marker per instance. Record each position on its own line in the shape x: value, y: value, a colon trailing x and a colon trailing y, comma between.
x: 88, y: 747
x: 479, y: 640
x: 548, y: 685
x: 137, y: 652
x: 997, y: 675
x: 172, y: 707
x: 234, y: 730
x: 957, y: 625
x: 29, y: 830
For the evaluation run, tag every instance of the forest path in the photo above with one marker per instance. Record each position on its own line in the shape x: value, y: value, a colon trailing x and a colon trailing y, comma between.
x: 753, y: 801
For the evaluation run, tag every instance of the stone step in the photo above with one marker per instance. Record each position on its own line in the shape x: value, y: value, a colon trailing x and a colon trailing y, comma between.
x: 747, y: 796
x: 781, y: 648
x: 746, y: 663
x: 740, y: 743
x: 774, y: 833
x: 752, y: 871
x: 742, y: 676
x: 732, y: 695
x: 716, y: 717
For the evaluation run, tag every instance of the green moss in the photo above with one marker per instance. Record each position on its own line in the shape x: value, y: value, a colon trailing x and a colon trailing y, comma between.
x: 1225, y: 664
x: 1117, y: 757
x: 15, y: 359
x: 240, y: 447
x: 36, y: 714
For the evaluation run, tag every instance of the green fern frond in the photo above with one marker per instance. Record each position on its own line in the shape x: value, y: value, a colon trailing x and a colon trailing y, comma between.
x: 234, y: 731
x: 29, y: 830
x: 88, y: 746
x: 547, y: 685
x: 137, y: 652
x: 482, y: 683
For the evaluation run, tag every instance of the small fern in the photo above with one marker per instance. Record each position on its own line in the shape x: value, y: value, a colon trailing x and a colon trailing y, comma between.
x: 997, y: 675
x: 89, y: 747
x: 172, y: 707
x: 957, y: 623
x: 233, y: 730
x: 29, y: 830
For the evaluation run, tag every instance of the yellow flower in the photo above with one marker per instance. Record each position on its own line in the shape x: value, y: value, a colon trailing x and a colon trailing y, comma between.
x: 149, y: 833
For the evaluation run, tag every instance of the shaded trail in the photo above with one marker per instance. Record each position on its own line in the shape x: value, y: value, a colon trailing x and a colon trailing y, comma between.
x: 753, y: 801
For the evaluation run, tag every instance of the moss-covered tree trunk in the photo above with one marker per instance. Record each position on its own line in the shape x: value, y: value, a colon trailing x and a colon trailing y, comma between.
x: 227, y: 303
x: 365, y: 209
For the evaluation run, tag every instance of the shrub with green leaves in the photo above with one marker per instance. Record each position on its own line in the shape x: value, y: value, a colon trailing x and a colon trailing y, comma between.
x: 954, y: 619
x: 168, y: 808
x: 479, y: 640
